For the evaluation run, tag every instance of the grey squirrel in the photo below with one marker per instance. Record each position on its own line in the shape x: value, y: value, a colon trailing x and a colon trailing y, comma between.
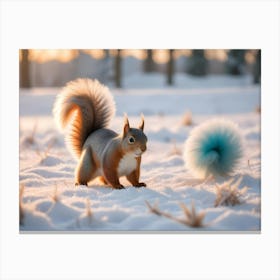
x: 86, y: 108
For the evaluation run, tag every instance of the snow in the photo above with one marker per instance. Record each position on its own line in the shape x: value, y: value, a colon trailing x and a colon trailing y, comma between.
x: 51, y: 202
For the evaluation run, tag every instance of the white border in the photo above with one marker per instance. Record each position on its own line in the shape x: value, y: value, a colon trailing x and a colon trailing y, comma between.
x: 154, y: 24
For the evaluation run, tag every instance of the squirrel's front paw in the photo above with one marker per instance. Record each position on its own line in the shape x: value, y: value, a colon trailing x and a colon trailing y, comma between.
x: 78, y: 184
x: 118, y: 187
x: 139, y: 185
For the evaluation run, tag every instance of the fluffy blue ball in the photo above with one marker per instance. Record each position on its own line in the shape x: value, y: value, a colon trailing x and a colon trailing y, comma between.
x: 213, y: 148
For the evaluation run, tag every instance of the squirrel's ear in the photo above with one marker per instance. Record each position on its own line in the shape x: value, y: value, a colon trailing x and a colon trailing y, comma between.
x: 141, y: 126
x: 126, y: 126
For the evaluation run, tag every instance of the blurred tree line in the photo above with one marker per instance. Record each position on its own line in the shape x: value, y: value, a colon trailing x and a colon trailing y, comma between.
x: 198, y: 64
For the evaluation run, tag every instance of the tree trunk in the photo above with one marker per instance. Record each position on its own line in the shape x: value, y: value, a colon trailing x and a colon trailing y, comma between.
x: 236, y: 62
x: 170, y: 68
x: 24, y: 70
x: 118, y: 69
x: 148, y: 62
x: 257, y: 68
x: 198, y: 65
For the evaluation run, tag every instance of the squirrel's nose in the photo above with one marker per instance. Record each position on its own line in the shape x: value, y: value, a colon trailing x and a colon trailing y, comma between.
x: 143, y: 148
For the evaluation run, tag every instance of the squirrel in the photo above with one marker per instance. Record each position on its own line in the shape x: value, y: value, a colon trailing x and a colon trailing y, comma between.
x: 86, y: 107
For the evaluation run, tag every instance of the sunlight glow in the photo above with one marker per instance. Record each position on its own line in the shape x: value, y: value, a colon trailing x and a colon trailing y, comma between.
x: 161, y: 56
x: 45, y: 55
x: 250, y: 57
x: 179, y: 53
x: 113, y: 52
x: 139, y: 54
x: 220, y: 55
x: 97, y: 54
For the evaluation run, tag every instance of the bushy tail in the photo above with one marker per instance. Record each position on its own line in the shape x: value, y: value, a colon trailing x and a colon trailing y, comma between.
x: 83, y: 106
x: 214, y: 147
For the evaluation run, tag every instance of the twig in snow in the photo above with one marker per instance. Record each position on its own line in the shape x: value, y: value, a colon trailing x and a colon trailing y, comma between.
x: 191, y: 218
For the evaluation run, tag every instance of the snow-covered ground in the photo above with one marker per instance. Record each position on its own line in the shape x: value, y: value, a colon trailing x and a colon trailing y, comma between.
x: 51, y: 202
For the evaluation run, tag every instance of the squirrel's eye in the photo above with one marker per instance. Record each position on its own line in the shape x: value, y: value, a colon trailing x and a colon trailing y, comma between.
x: 131, y: 139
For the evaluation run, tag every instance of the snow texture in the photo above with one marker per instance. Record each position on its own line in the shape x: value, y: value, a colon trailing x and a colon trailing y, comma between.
x: 51, y: 202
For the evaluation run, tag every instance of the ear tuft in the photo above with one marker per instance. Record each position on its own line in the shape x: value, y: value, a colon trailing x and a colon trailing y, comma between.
x: 141, y: 126
x: 126, y: 126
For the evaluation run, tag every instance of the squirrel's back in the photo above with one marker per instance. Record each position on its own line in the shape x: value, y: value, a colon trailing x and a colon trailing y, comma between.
x: 98, y: 141
x: 83, y: 106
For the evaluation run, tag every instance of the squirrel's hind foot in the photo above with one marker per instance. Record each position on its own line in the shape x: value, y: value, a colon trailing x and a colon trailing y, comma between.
x: 119, y: 187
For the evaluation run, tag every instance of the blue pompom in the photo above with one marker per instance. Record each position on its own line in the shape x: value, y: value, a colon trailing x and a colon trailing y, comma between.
x: 213, y: 148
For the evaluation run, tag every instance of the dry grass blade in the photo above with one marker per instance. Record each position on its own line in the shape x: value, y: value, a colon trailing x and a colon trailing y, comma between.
x: 31, y: 138
x: 258, y: 109
x: 187, y: 119
x: 175, y: 150
x: 44, y: 154
x: 49, y: 147
x: 187, y: 212
x: 21, y: 212
x: 249, y: 164
x: 89, y: 212
x: 154, y: 209
x: 55, y: 196
x: 193, y: 210
x: 229, y: 193
x: 191, y: 218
